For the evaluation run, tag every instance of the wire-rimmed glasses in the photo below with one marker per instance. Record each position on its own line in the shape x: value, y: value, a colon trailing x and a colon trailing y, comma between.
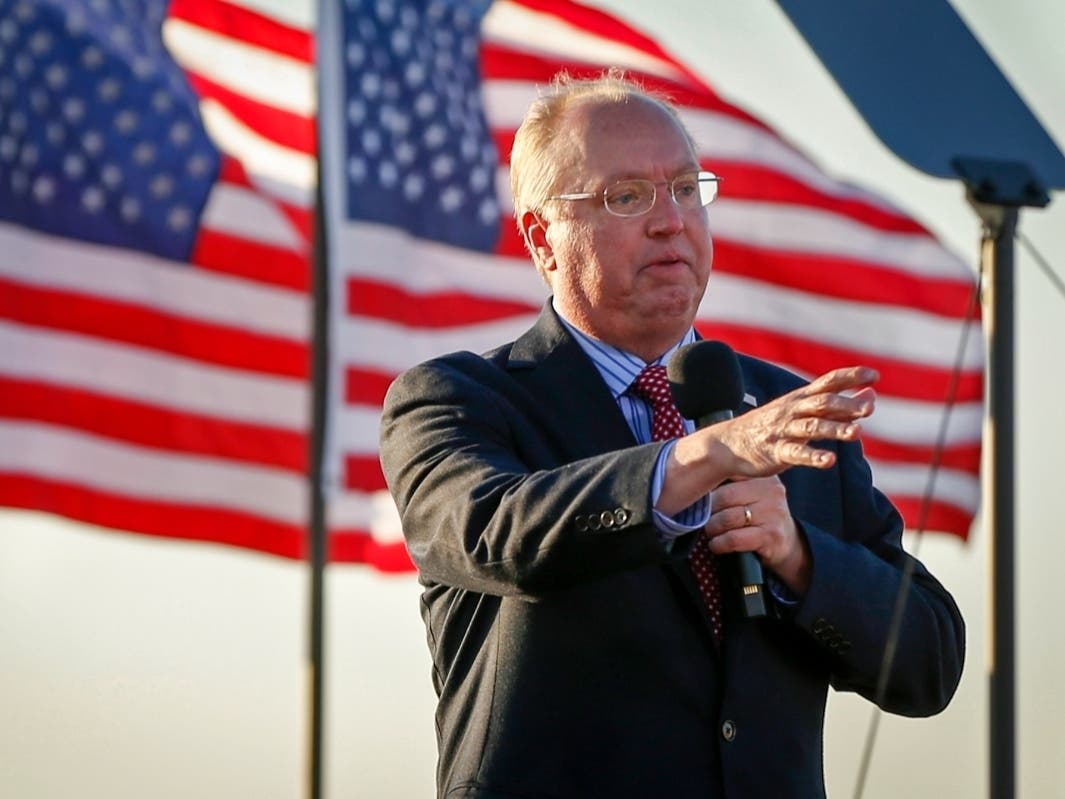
x: 637, y: 196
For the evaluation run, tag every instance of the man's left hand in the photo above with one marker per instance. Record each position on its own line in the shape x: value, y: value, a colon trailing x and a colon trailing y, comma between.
x: 753, y: 516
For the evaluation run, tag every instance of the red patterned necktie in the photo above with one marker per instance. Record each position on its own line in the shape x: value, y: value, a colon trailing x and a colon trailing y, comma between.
x: 652, y: 385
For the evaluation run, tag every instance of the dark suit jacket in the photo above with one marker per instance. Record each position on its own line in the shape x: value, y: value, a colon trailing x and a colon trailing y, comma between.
x: 572, y: 655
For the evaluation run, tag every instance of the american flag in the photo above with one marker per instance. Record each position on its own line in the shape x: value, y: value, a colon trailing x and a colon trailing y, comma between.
x: 157, y: 175
x: 157, y: 168
x: 808, y: 272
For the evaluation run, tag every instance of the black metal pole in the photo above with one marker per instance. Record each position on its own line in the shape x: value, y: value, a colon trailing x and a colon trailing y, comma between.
x: 1000, y: 223
x: 997, y: 190
x: 317, y: 543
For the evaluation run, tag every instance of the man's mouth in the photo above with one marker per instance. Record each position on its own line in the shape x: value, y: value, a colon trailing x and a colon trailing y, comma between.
x: 668, y: 261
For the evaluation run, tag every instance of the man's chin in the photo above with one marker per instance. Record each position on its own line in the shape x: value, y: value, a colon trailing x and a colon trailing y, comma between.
x: 676, y: 303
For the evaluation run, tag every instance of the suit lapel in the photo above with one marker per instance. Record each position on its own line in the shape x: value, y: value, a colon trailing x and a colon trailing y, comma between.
x: 552, y: 367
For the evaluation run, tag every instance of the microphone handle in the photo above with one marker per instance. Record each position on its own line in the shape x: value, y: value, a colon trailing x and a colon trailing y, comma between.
x: 748, y: 567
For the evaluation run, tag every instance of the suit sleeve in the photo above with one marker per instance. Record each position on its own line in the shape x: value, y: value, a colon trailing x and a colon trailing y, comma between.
x: 857, y: 574
x: 487, y: 501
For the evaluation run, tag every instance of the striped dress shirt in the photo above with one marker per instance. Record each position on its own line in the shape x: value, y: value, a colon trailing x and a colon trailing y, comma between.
x: 619, y: 369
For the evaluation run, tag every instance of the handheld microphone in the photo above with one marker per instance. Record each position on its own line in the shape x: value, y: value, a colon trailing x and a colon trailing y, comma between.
x: 707, y: 385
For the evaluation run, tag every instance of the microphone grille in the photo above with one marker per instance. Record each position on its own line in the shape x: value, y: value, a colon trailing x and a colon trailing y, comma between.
x: 705, y: 378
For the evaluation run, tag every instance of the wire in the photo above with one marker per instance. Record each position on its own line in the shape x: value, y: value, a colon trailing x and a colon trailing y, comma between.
x: 1052, y: 276
x: 895, y: 628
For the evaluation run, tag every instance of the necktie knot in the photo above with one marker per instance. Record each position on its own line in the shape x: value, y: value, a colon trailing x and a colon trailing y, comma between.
x: 652, y: 385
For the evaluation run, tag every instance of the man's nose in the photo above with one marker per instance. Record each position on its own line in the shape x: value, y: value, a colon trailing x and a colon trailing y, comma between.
x: 665, y: 216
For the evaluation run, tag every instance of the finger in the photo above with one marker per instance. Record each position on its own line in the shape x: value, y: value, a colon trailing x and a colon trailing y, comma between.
x: 718, y: 523
x: 848, y: 378
x: 746, y: 539
x: 746, y: 491
x: 867, y: 393
x: 812, y: 429
x: 795, y: 454
x: 834, y: 406
x: 730, y: 518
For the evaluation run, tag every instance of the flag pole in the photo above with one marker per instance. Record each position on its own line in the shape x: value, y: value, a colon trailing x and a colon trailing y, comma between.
x: 317, y: 533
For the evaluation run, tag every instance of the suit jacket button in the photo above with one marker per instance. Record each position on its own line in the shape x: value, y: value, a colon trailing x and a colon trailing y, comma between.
x: 621, y: 516
x: 728, y: 730
x: 606, y: 518
x: 593, y: 522
x: 581, y: 524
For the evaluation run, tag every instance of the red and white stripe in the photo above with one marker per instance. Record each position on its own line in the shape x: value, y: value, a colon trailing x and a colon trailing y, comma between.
x: 166, y: 399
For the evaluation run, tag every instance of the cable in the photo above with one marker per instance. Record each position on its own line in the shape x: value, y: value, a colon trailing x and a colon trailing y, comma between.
x: 1052, y: 276
x: 895, y: 628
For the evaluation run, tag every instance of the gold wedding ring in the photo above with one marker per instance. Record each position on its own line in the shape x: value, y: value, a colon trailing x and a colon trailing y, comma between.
x: 746, y: 516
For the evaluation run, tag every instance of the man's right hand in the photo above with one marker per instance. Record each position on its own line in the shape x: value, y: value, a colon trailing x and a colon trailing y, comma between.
x: 767, y: 440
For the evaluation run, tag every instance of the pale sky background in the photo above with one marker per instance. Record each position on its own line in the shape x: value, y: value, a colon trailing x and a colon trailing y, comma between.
x: 136, y: 667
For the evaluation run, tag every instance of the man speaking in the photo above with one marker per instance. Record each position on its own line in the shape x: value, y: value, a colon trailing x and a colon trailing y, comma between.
x: 576, y: 536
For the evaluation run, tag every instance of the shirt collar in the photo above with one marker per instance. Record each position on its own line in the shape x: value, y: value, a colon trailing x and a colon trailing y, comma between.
x: 617, y: 367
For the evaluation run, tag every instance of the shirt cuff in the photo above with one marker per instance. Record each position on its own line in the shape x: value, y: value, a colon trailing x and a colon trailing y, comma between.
x: 692, y: 518
x: 780, y: 592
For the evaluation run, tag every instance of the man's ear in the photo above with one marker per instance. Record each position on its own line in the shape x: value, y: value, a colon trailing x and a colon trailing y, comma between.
x: 534, y: 230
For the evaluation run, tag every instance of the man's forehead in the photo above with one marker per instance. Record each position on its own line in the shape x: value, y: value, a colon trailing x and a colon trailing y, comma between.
x: 595, y: 112
x: 615, y: 138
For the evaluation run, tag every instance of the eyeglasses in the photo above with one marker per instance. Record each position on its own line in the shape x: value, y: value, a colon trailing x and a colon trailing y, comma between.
x: 636, y: 197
